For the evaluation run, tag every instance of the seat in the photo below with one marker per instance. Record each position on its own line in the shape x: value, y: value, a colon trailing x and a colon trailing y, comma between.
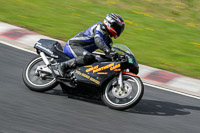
x: 59, y: 47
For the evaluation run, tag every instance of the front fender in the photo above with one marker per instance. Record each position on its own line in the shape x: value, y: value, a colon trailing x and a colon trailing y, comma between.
x: 130, y: 73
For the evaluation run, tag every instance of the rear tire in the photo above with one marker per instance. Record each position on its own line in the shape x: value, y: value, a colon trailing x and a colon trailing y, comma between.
x: 33, y: 81
x: 117, y: 99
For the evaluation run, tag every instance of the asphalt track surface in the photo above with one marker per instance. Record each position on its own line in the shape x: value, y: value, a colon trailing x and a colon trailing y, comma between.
x: 25, y: 111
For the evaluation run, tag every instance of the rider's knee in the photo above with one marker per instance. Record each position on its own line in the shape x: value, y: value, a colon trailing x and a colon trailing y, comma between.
x: 89, y: 58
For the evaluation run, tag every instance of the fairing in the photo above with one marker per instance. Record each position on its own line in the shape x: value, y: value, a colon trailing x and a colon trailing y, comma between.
x: 97, y: 73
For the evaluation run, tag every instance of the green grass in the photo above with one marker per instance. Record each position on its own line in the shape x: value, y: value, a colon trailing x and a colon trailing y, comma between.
x: 161, y: 33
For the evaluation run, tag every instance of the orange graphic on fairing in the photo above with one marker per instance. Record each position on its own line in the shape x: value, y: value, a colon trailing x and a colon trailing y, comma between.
x: 103, y: 68
x: 102, y: 73
x: 92, y: 68
x: 87, y: 77
x: 97, y: 69
x: 115, y: 67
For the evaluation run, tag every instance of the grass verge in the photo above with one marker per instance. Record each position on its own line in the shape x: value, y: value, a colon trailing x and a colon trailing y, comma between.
x: 162, y: 34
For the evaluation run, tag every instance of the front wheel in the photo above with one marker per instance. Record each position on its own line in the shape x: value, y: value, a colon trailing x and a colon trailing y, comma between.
x: 35, y: 78
x: 116, y: 98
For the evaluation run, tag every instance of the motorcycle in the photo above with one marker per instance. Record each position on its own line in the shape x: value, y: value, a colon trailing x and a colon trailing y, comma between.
x: 112, y: 80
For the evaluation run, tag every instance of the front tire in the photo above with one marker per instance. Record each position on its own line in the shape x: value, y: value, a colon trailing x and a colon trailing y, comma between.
x: 33, y: 80
x: 118, y: 99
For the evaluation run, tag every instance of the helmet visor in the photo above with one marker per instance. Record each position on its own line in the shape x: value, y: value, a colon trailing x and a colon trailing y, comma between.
x: 118, y: 27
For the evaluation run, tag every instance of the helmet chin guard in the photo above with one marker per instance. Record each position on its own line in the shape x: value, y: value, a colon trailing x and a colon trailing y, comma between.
x: 111, y: 30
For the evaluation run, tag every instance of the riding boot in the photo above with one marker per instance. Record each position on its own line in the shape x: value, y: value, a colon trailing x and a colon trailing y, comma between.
x: 86, y: 59
x: 72, y: 63
x: 62, y: 67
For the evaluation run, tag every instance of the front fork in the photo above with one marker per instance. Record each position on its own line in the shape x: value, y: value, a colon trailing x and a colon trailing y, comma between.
x: 120, y: 81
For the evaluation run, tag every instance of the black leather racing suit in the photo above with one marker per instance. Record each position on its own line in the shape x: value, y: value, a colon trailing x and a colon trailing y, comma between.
x: 84, y: 43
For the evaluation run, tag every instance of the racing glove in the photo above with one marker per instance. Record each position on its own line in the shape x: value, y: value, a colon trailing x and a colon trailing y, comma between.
x: 114, y: 55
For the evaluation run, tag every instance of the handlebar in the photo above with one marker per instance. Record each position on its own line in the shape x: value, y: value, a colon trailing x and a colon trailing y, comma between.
x: 118, y: 57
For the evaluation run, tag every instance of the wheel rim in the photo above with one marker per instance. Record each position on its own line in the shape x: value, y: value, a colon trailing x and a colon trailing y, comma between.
x: 131, y: 93
x: 35, y: 79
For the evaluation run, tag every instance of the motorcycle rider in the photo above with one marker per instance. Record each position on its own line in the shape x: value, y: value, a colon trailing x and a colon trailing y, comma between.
x: 80, y: 47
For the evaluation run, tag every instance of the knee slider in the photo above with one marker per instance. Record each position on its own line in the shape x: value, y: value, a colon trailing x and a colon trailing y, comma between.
x: 89, y: 58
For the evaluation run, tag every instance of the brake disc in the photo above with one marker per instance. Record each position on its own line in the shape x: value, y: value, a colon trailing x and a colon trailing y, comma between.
x: 119, y: 93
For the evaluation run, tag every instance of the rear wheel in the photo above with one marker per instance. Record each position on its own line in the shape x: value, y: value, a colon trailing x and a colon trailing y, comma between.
x: 125, y: 98
x: 36, y: 79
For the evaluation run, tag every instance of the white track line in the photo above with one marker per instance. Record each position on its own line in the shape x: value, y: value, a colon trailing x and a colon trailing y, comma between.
x: 17, y: 47
x: 161, y: 88
x: 177, y: 92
